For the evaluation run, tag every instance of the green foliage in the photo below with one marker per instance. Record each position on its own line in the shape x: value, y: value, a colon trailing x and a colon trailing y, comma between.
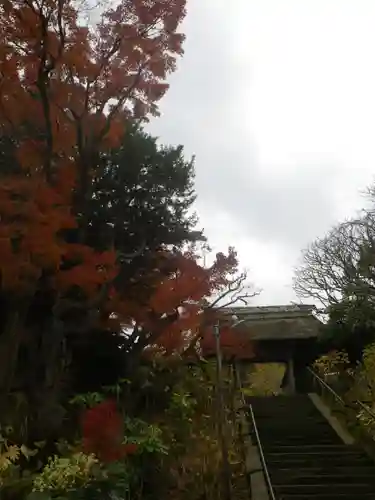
x: 148, y: 437
x: 87, y: 400
x: 75, y: 475
x: 63, y: 474
x: 182, y: 405
x: 145, y: 190
x: 12, y: 473
x: 82, y: 477
x: 190, y: 427
x: 177, y: 442
x: 350, y: 326
x: 333, y: 362
x: 354, y: 385
x: 363, y: 377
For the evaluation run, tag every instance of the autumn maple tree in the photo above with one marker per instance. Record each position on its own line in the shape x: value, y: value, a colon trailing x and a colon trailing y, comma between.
x: 67, y: 90
x: 181, y: 288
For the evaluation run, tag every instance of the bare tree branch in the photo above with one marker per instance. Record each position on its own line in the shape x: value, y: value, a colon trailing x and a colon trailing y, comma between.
x: 238, y: 290
x: 340, y: 264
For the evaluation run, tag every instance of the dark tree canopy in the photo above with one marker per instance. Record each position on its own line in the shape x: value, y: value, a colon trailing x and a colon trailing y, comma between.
x: 144, y: 192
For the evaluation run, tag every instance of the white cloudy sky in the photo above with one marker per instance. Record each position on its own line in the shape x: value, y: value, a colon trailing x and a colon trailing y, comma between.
x: 276, y: 98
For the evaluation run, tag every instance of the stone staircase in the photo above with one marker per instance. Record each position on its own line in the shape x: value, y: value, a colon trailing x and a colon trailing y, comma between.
x: 305, y: 457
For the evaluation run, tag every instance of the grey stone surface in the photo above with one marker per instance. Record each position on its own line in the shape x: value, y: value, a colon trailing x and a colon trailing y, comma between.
x: 346, y: 437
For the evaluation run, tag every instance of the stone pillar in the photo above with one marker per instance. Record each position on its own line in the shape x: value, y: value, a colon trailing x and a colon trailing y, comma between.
x: 290, y: 382
x: 303, y: 380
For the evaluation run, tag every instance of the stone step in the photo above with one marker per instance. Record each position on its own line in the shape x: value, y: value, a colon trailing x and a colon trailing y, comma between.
x: 315, y: 448
x: 291, y: 408
x: 321, y: 451
x: 316, y: 488
x: 309, y: 426
x: 268, y: 436
x: 330, y: 439
x: 314, y: 438
x: 274, y: 442
x: 291, y: 424
x: 303, y: 461
x: 302, y: 478
x: 267, y: 416
x: 327, y: 496
x: 305, y: 457
x: 295, y: 432
x: 295, y: 420
x: 279, y: 397
x: 290, y: 475
x: 295, y: 407
x: 322, y: 471
x: 293, y: 411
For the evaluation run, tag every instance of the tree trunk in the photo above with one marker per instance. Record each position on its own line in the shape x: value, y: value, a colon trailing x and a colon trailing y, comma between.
x: 10, y: 342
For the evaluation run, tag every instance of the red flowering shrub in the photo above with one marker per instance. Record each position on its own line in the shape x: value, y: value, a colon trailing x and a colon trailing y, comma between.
x: 103, y: 432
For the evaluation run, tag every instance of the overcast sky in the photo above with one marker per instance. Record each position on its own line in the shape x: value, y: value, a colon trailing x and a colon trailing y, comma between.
x: 276, y: 98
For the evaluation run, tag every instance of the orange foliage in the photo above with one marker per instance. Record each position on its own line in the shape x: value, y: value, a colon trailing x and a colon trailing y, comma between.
x: 234, y: 343
x: 66, y: 90
x: 173, y: 316
x: 90, y: 270
x: 91, y: 77
x: 31, y: 214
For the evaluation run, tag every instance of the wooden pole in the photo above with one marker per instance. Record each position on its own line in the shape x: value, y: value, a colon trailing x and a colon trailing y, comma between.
x: 226, y: 473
